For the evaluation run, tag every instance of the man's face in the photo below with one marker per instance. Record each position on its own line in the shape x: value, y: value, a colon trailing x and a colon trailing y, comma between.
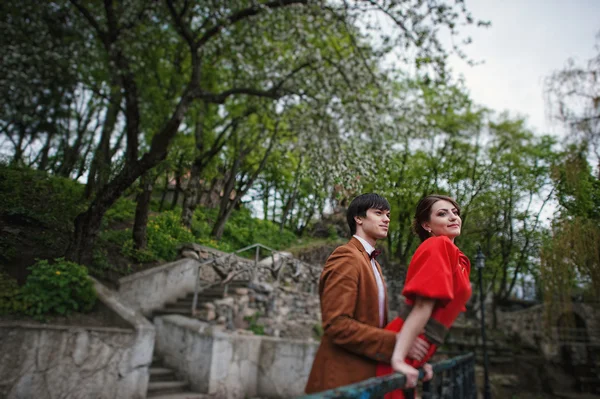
x: 374, y: 225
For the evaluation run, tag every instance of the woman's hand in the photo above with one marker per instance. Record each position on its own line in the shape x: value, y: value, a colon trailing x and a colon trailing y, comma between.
x: 419, y: 349
x: 411, y: 373
x: 428, y: 372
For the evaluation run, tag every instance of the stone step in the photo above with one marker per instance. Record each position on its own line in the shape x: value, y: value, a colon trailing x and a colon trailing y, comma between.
x: 186, y: 304
x: 200, y: 300
x: 183, y: 311
x: 161, y: 374
x: 164, y: 387
x: 183, y: 395
x: 206, y: 295
x: 180, y: 304
x: 239, y: 283
x: 211, y: 291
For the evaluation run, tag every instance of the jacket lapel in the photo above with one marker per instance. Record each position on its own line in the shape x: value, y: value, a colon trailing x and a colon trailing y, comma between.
x: 369, y: 272
x: 364, y: 253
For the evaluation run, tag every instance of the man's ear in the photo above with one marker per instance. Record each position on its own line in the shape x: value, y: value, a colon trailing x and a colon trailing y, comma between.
x: 358, y: 220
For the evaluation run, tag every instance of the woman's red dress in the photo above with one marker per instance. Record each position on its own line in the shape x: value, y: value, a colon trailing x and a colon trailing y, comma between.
x: 441, y: 271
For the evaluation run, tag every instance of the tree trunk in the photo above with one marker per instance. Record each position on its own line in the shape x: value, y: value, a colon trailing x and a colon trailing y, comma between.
x: 87, y: 224
x: 225, y: 207
x: 100, y: 168
x: 274, y: 213
x: 190, y: 198
x: 164, y: 193
x: 140, y: 238
x: 45, y: 156
x: 287, y: 209
x: 18, y: 153
x: 175, y: 199
x: 219, y: 227
x: 265, y: 201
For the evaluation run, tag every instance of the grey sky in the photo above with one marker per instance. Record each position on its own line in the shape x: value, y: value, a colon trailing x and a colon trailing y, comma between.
x: 528, y: 40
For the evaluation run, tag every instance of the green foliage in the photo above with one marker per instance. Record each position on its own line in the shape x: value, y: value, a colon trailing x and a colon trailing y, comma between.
x: 10, y: 300
x: 241, y: 230
x: 123, y: 210
x: 164, y: 233
x: 59, y: 287
x: 318, y: 331
x: 32, y: 196
x: 141, y: 255
x: 253, y: 325
x: 578, y: 190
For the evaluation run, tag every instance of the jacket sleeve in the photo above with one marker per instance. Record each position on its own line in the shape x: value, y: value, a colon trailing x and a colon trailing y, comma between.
x: 430, y: 273
x: 339, y: 293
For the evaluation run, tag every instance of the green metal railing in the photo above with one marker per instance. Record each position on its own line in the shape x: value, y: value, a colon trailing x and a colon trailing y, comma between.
x: 453, y: 379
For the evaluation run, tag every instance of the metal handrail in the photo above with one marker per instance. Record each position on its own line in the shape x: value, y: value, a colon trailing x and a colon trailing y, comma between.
x: 376, y: 387
x: 252, y: 270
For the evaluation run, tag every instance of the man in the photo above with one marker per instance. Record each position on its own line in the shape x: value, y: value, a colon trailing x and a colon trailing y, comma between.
x: 354, y: 303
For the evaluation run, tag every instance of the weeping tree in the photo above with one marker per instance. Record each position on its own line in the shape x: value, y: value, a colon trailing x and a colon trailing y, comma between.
x: 573, y: 99
x: 571, y: 252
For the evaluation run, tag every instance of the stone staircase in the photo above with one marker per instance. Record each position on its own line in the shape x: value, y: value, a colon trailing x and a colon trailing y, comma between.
x: 204, y: 306
x: 164, y: 383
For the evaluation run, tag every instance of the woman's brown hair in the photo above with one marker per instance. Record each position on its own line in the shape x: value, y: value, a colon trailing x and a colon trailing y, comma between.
x: 423, y: 213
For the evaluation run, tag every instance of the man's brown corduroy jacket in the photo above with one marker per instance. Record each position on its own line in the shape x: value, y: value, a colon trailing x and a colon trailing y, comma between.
x: 352, y: 343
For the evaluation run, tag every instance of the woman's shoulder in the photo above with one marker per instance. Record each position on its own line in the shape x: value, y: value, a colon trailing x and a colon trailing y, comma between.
x: 437, y: 243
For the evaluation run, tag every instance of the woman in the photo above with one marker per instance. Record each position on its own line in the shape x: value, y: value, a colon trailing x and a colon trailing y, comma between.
x: 436, y: 289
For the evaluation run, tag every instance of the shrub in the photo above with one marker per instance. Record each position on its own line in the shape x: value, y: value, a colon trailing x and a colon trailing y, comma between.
x: 241, y: 230
x: 10, y: 300
x: 60, y: 287
x: 164, y: 233
x: 123, y: 210
x: 36, y: 197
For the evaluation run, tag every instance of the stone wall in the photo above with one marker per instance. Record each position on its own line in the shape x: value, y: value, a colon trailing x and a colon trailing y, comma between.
x: 281, y: 300
x: 150, y: 289
x: 59, y: 361
x: 534, y: 330
x: 233, y: 365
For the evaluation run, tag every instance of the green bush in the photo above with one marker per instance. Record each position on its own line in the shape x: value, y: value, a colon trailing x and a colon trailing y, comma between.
x: 40, y: 198
x: 164, y: 234
x: 241, y: 230
x: 59, y: 287
x: 10, y: 299
x: 123, y: 210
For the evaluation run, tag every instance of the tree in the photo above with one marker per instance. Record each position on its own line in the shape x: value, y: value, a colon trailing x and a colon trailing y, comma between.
x: 206, y: 30
x: 38, y: 75
x: 571, y: 253
x: 573, y: 98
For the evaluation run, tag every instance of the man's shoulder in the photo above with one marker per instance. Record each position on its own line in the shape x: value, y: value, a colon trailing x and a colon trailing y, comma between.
x: 349, y: 248
x: 344, y: 253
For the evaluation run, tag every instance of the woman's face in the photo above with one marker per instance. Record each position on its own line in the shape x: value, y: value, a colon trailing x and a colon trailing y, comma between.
x: 444, y: 220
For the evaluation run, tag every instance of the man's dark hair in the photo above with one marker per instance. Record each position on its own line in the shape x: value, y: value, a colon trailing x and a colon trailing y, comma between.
x: 360, y: 205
